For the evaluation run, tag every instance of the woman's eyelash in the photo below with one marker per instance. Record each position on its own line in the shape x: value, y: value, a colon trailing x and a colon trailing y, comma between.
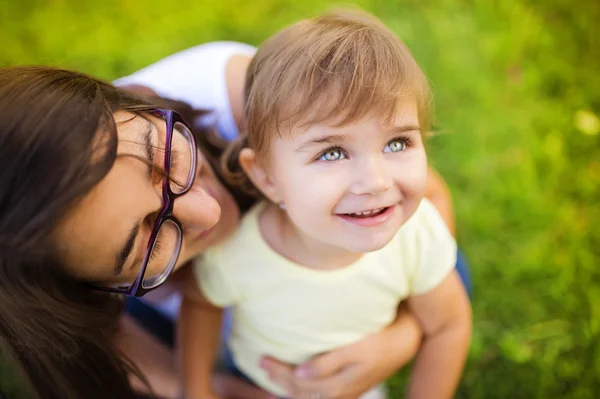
x: 156, y: 247
x: 175, y: 159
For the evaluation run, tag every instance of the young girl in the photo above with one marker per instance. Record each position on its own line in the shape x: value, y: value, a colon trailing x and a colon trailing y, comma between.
x: 336, y: 107
x: 211, y: 76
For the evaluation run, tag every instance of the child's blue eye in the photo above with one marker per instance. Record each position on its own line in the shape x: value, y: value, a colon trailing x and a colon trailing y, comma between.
x: 335, y: 154
x: 395, y: 146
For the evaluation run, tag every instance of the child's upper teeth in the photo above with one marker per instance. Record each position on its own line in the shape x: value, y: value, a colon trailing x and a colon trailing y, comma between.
x: 367, y: 212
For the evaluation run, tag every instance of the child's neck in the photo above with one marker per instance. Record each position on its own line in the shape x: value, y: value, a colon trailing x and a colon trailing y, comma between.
x: 282, y: 235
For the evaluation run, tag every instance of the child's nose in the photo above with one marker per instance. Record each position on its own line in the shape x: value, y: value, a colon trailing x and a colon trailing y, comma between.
x: 371, y: 177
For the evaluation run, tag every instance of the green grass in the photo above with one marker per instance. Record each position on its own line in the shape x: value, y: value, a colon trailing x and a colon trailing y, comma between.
x: 517, y: 88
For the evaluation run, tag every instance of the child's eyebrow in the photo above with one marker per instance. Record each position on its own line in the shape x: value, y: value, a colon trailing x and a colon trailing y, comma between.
x: 328, y: 139
x: 405, y: 128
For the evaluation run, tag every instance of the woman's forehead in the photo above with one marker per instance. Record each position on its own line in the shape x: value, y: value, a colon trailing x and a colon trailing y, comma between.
x: 132, y: 130
x: 127, y: 122
x: 122, y: 116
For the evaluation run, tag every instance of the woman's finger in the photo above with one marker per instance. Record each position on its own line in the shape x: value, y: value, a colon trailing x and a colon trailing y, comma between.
x: 280, y: 373
x: 231, y: 387
x: 323, y: 366
x: 333, y: 377
x: 336, y: 386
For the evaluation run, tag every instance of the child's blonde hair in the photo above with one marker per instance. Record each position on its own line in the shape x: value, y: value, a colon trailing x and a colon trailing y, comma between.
x: 335, y: 68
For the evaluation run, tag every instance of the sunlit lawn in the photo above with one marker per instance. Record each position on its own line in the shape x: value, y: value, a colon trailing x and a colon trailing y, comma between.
x: 517, y: 97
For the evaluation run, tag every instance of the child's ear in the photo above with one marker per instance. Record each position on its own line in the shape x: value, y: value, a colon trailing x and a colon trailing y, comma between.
x: 258, y: 174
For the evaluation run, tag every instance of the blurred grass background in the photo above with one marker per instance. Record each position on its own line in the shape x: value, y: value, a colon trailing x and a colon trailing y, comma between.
x: 517, y: 88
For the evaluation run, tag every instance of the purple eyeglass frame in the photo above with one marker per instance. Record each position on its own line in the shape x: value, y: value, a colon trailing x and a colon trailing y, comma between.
x: 166, y: 213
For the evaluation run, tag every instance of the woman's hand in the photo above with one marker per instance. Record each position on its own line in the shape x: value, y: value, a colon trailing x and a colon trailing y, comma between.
x: 350, y: 371
x: 227, y: 386
x: 343, y: 373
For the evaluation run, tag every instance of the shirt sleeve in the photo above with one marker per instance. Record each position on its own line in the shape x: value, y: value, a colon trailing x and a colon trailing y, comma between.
x: 436, y: 249
x: 214, y: 281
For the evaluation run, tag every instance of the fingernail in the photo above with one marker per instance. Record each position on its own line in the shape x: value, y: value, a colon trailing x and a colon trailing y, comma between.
x: 262, y: 363
x: 302, y: 372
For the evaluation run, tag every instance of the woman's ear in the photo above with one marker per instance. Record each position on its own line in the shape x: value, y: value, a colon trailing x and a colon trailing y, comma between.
x: 258, y: 174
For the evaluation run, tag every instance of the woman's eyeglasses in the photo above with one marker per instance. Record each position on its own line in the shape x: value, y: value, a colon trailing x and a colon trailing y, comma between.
x: 178, y: 158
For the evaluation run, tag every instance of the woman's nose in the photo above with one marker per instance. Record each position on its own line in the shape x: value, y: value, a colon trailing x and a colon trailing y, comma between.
x: 197, y: 209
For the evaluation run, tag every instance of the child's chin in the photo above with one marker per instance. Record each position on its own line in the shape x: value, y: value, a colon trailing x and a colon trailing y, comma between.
x: 371, y: 245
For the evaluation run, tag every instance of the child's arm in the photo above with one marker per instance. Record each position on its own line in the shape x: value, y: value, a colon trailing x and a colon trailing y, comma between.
x: 198, y: 329
x: 445, y: 316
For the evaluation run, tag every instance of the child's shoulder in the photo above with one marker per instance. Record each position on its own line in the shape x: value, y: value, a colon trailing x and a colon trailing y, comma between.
x: 429, y: 248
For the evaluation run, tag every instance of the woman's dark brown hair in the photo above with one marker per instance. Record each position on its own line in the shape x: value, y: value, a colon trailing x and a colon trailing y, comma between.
x: 57, y: 141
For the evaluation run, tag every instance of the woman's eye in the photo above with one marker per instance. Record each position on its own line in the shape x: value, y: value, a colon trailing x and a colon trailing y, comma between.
x: 395, y: 146
x: 156, y: 248
x: 334, y: 154
x: 175, y: 162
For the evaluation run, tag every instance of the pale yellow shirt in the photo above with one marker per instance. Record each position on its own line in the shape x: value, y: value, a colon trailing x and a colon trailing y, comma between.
x: 293, y: 313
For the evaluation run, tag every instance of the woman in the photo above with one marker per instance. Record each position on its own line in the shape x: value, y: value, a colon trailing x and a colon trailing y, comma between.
x: 87, y: 192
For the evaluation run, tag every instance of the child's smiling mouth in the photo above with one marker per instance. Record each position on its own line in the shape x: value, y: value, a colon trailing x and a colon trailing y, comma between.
x: 371, y: 217
x: 366, y: 214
